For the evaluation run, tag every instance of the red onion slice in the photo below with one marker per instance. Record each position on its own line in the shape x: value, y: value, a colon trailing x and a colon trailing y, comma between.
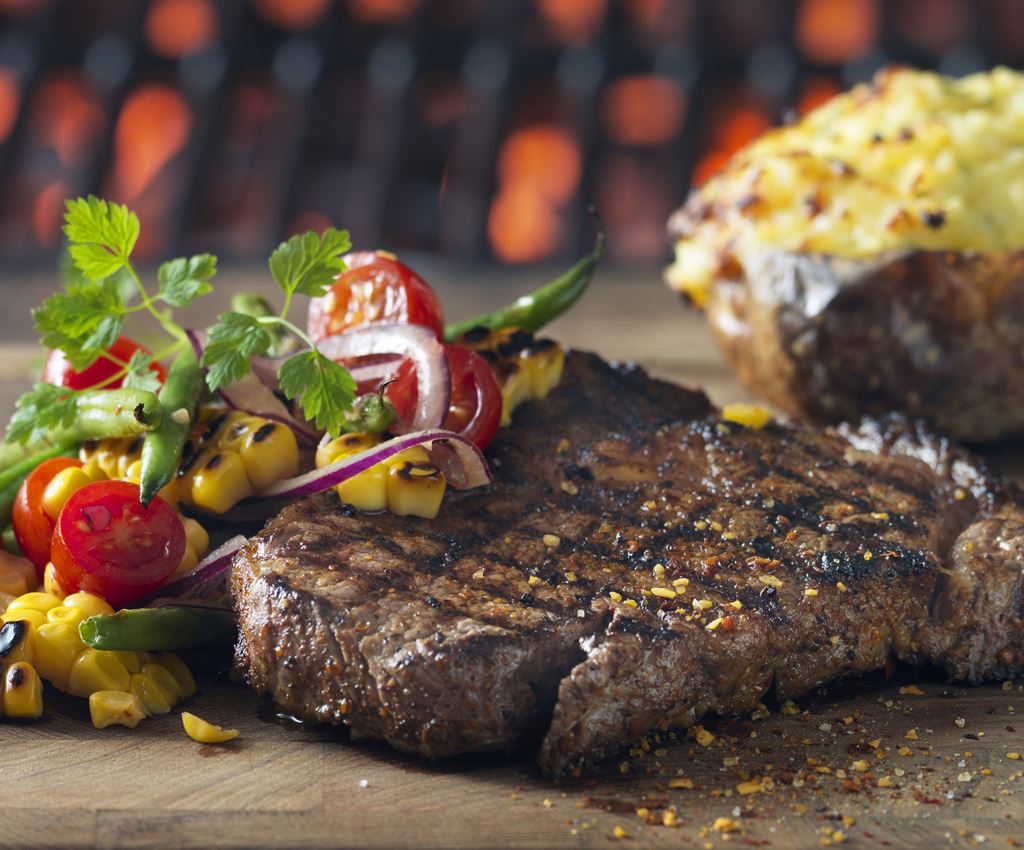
x: 251, y: 395
x: 203, y: 579
x: 463, y: 461
x: 433, y: 380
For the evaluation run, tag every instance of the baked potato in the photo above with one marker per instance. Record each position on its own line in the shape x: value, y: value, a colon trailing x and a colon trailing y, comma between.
x: 870, y: 258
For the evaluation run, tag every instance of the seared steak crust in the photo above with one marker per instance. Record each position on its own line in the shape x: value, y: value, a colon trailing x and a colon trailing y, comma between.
x: 697, y: 563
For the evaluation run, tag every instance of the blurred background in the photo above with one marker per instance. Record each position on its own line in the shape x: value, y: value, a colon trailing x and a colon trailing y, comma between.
x: 471, y: 130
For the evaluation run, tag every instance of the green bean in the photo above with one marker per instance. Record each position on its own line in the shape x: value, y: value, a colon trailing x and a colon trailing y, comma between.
x: 531, y: 312
x: 158, y: 629
x: 179, y: 399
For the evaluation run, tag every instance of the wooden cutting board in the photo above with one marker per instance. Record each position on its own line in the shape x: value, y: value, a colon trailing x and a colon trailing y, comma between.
x: 871, y: 763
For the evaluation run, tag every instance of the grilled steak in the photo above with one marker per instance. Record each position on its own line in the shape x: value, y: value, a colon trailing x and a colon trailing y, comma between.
x: 637, y: 563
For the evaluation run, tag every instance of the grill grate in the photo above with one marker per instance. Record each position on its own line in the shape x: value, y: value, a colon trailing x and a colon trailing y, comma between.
x: 470, y: 129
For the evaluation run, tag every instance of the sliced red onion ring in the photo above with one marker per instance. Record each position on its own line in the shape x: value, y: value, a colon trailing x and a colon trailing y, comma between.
x: 251, y: 395
x: 433, y: 380
x: 464, y: 465
x: 204, y: 579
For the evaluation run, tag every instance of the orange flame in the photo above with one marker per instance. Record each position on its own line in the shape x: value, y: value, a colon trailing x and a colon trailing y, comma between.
x: 833, y: 31
x: 292, y: 14
x: 10, y: 102
x: 67, y: 116
x: 152, y: 128
x: 643, y: 110
x: 381, y: 11
x: 180, y: 27
x: 571, y: 21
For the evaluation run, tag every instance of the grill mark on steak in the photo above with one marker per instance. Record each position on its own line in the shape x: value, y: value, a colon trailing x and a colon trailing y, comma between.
x: 469, y: 633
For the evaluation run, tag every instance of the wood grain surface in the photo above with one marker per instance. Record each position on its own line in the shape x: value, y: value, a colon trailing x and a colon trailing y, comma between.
x: 842, y: 769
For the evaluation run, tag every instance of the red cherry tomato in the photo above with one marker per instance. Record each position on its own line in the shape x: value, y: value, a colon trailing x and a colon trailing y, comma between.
x: 475, y: 409
x: 108, y: 544
x: 33, y: 529
x: 58, y: 371
x: 374, y: 290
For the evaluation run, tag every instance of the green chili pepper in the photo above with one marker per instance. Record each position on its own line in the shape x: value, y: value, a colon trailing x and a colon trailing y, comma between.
x: 161, y: 450
x: 12, y: 477
x: 531, y: 312
x: 371, y: 414
x: 110, y: 413
x: 158, y: 629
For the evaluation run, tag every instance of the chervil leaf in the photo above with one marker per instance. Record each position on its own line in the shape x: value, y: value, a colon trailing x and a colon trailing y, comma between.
x: 232, y: 341
x: 102, y: 236
x: 325, y: 389
x: 82, y: 320
x: 140, y: 374
x: 183, y: 279
x: 309, y: 262
x: 43, y: 408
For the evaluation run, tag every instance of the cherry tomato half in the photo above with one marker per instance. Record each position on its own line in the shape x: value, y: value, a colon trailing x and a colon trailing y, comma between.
x: 108, y: 544
x: 58, y: 371
x: 375, y: 289
x: 33, y: 529
x: 475, y: 409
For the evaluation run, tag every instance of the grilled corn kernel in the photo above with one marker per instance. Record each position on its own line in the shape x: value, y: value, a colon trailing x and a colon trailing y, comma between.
x: 57, y: 645
x: 12, y: 583
x: 132, y: 660
x: 179, y: 670
x: 415, y: 488
x: 66, y: 614
x: 188, y: 561
x: 543, y: 361
x: 205, y: 733
x: 36, y: 601
x: 97, y: 670
x: 749, y: 415
x: 62, y: 487
x: 133, y: 472
x: 23, y: 692
x: 89, y: 603
x: 366, y: 491
x: 162, y: 679
x: 22, y: 566
x: 36, y: 618
x: 93, y: 469
x: 233, y: 430
x: 149, y: 694
x: 220, y: 483
x: 115, y: 708
x: 51, y: 584
x: 269, y: 454
x: 343, y: 446
x: 17, y: 642
x: 196, y: 536
x: 516, y: 387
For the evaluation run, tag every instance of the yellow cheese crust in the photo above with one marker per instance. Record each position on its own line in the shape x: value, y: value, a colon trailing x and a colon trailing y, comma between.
x: 912, y: 160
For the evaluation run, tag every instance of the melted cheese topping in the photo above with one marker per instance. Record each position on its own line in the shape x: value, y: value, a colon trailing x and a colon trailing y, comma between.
x: 911, y: 160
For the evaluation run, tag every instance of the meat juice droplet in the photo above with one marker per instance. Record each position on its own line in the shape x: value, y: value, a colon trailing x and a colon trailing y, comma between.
x: 97, y: 516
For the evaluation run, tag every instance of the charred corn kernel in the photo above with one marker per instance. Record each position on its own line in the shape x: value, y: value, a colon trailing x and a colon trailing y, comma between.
x: 51, y: 584
x: 188, y: 561
x: 234, y: 429
x: 35, y: 601
x: 750, y: 415
x: 66, y: 614
x: 205, y: 733
x: 17, y: 640
x: 179, y: 670
x: 36, y: 618
x: 196, y: 536
x: 94, y: 470
x: 544, y: 360
x: 162, y: 679
x: 149, y: 694
x: 415, y: 488
x: 12, y: 583
x: 343, y: 446
x: 133, y: 471
x: 57, y: 645
x: 115, y: 708
x: 62, y: 486
x: 97, y: 670
x: 22, y: 566
x: 516, y: 387
x: 132, y: 661
x: 23, y: 692
x: 220, y: 482
x: 89, y: 603
x: 269, y: 453
x: 366, y: 491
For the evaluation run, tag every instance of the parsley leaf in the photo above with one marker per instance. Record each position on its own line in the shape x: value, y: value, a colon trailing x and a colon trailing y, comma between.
x: 102, y: 235
x: 232, y: 341
x: 140, y: 374
x: 325, y: 389
x: 183, y: 279
x: 43, y: 408
x: 309, y: 262
x: 82, y: 320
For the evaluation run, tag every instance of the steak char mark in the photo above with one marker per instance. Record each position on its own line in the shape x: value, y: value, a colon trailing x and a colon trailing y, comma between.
x: 637, y: 563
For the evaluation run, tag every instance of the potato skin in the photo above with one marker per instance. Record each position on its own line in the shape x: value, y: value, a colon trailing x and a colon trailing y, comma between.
x: 937, y: 335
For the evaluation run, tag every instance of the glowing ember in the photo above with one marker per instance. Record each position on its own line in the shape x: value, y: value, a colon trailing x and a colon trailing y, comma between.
x: 47, y: 209
x: 523, y: 225
x: 572, y: 21
x: 10, y: 100
x: 381, y: 11
x: 152, y: 128
x: 815, y: 92
x: 643, y: 110
x: 67, y: 116
x: 730, y: 131
x: 180, y: 27
x: 833, y: 31
x: 292, y: 14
